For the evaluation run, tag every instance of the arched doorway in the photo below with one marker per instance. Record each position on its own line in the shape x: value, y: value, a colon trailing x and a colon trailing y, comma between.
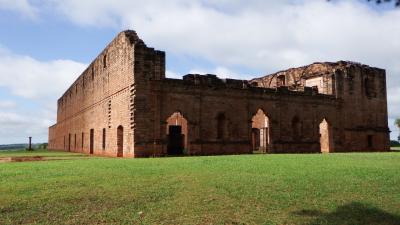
x: 69, y: 142
x: 260, y: 132
x: 221, y: 126
x: 120, y: 141
x: 91, y: 144
x: 325, y: 139
x: 296, y: 129
x: 177, y: 134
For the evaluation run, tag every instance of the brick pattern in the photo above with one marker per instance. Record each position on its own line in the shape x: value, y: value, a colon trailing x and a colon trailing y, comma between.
x: 360, y: 91
x: 328, y: 107
x: 99, y: 98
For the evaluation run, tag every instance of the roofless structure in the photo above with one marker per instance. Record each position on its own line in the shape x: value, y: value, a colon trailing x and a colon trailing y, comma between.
x: 123, y: 105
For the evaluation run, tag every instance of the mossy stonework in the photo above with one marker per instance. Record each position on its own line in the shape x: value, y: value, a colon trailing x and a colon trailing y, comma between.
x: 123, y: 105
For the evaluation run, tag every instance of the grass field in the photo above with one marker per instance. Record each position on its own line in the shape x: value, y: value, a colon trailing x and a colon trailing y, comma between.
x: 356, y: 188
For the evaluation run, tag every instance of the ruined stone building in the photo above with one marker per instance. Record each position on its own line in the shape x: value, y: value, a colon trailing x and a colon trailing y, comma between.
x: 123, y: 105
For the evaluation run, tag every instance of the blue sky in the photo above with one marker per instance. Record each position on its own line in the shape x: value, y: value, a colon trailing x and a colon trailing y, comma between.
x: 45, y: 44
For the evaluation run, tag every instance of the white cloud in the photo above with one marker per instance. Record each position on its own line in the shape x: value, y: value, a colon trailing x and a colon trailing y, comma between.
x: 268, y: 35
x: 16, y: 127
x: 37, y: 85
x: 24, y: 7
x: 7, y: 104
x: 27, y: 77
x: 171, y: 74
x: 11, y: 119
x: 222, y: 72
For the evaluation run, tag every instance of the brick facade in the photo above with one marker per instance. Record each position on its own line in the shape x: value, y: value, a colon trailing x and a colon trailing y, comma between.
x: 122, y: 105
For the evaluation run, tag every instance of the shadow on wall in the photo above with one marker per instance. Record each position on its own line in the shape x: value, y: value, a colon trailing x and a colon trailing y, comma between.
x: 353, y: 213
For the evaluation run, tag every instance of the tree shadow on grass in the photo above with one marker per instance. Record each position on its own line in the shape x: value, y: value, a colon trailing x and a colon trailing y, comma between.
x: 353, y: 213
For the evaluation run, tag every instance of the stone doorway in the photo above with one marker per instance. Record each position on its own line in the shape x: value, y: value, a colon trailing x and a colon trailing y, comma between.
x: 260, y: 132
x: 175, y: 140
x: 325, y: 132
x: 120, y: 141
x: 91, y: 144
x: 177, y: 134
x: 69, y: 142
x: 255, y: 139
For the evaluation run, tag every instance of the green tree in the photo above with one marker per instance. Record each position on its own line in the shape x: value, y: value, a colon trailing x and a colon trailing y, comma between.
x: 397, y: 123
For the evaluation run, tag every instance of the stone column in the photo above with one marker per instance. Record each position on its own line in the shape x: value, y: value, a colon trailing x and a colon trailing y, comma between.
x: 30, y: 143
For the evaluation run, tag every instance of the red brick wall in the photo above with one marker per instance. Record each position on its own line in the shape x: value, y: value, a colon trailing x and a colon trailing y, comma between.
x: 361, y: 114
x: 99, y: 99
x: 126, y: 86
x: 201, y: 105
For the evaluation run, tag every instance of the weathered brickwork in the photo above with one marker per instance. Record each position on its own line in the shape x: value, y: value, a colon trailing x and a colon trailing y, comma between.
x: 122, y: 105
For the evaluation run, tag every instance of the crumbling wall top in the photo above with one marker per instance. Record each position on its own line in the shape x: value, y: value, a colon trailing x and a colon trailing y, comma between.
x: 318, y: 68
x: 212, y: 82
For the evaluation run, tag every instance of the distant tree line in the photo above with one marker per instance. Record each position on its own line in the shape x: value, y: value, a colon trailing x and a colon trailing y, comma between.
x: 23, y: 146
x: 12, y: 146
x: 38, y: 146
x: 42, y: 146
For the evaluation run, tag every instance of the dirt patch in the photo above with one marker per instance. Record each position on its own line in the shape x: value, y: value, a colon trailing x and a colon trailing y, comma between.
x: 22, y: 159
x: 5, y: 159
x: 30, y: 159
x: 27, y: 158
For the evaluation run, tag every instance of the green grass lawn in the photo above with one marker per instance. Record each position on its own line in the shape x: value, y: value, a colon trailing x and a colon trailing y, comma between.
x: 354, y: 188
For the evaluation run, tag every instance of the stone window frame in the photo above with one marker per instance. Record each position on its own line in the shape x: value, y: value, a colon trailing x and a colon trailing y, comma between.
x: 281, y: 80
x: 369, y: 87
x: 105, y: 61
x: 104, y: 139
x: 221, y: 125
x: 370, y: 141
x: 297, y: 128
x: 83, y: 138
